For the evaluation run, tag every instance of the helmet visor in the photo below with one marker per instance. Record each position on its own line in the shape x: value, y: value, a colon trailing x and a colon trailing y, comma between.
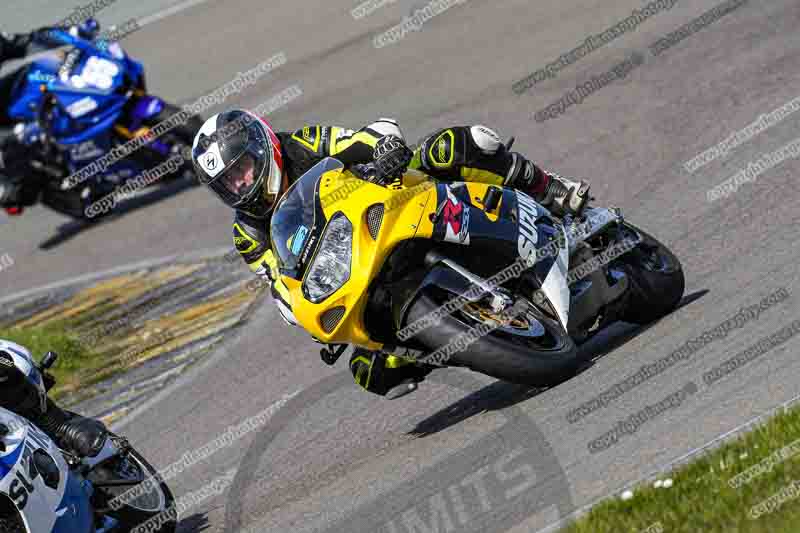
x: 240, y: 179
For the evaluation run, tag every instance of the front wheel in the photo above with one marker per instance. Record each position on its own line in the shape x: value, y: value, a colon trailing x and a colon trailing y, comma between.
x: 150, y: 501
x: 10, y: 521
x: 657, y: 280
x: 532, y: 349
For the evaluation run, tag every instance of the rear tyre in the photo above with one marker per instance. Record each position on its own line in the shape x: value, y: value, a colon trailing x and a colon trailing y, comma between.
x: 657, y: 280
x: 508, y: 353
x: 180, y: 136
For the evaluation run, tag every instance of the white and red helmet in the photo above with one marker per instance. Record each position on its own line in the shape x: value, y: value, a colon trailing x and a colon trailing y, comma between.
x: 238, y: 156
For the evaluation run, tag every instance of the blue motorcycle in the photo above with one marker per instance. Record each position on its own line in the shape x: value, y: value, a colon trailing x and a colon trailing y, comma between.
x: 76, y: 105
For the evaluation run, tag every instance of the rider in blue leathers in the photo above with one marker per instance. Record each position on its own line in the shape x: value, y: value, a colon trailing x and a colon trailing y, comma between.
x: 12, y: 153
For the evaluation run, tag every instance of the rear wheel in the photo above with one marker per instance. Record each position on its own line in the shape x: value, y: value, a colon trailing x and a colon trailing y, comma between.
x: 657, y: 279
x: 181, y: 136
x: 531, y: 349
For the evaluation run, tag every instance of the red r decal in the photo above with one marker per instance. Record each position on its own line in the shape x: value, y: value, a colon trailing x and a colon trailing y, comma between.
x: 452, y: 215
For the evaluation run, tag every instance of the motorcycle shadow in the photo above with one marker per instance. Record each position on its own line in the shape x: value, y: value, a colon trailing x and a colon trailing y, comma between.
x: 193, y: 523
x: 501, y: 395
x: 149, y: 197
x: 494, y: 397
x: 620, y: 333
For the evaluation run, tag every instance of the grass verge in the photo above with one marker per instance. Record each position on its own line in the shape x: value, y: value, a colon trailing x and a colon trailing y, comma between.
x: 750, y: 484
x: 74, y: 357
x: 107, y: 329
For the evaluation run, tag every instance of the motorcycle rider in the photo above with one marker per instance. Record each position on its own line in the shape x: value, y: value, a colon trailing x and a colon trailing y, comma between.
x: 22, y: 392
x: 18, y: 179
x: 248, y: 165
x: 12, y: 152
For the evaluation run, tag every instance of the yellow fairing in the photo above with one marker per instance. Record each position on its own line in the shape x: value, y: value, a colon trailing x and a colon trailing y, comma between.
x: 407, y: 205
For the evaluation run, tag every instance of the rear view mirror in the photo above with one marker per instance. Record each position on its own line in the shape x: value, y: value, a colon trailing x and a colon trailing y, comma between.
x: 48, y: 360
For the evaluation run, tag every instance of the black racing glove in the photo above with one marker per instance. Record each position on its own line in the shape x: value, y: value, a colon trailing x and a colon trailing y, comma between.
x: 392, y: 157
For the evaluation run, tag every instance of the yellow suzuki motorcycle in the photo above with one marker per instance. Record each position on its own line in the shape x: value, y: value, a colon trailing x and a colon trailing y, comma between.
x: 461, y: 274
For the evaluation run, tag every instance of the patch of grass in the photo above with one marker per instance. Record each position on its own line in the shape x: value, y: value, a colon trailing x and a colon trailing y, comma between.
x: 74, y: 357
x: 703, y: 497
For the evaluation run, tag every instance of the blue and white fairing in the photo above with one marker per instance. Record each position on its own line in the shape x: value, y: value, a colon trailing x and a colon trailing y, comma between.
x: 93, y: 83
x: 552, y: 271
x: 528, y: 232
x: 87, y: 80
x: 62, y: 507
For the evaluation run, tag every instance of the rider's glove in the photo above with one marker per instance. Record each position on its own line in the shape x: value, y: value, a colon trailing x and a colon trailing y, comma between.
x: 265, y: 272
x: 392, y: 157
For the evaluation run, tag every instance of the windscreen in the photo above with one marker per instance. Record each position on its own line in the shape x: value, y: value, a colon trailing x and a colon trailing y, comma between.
x: 293, y: 220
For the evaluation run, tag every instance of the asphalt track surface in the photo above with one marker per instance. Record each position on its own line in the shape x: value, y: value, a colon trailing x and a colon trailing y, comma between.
x: 466, y: 452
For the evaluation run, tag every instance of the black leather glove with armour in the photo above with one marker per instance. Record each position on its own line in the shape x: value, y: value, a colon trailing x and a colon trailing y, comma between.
x: 392, y: 157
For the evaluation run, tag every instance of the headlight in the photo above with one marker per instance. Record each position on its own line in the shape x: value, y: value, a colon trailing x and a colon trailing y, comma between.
x: 331, y: 267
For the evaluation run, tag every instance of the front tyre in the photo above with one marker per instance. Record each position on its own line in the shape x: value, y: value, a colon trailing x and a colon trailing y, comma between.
x: 522, y: 352
x: 11, y: 525
x: 10, y: 519
x: 657, y: 280
x: 154, y: 502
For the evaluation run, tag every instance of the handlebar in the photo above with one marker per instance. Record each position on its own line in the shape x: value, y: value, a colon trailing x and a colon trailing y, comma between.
x: 55, y: 36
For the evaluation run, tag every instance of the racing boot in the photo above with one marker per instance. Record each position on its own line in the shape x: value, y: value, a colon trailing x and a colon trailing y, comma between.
x: 562, y: 196
x: 16, y: 191
x: 10, y: 193
x: 385, y: 374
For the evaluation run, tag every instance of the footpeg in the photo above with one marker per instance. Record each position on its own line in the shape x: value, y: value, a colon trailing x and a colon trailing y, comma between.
x: 330, y: 355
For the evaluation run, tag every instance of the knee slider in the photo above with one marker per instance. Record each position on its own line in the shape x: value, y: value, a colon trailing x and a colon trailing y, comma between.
x: 485, y: 139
